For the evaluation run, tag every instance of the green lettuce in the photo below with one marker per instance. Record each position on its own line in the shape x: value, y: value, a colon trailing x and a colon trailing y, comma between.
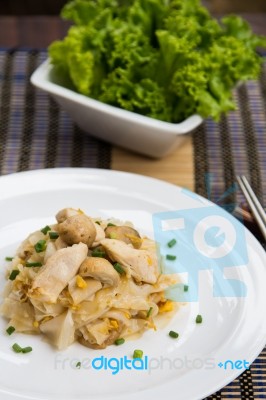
x: 164, y: 59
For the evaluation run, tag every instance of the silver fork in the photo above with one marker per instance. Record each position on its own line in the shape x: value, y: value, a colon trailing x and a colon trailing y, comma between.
x: 254, y: 204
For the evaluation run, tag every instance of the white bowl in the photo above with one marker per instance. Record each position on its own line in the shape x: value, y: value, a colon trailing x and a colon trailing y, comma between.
x: 121, y: 127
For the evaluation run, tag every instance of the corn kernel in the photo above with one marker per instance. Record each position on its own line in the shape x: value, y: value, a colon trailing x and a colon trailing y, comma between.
x: 149, y: 260
x: 80, y: 282
x: 114, y: 323
x: 36, y: 324
x: 166, y: 307
x: 136, y: 241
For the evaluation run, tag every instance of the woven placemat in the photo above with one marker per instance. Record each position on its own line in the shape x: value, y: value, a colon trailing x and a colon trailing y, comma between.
x: 35, y: 133
x: 236, y: 146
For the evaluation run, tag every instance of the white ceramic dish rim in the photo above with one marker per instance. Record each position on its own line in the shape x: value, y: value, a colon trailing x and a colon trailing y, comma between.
x: 74, y: 173
x: 40, y: 79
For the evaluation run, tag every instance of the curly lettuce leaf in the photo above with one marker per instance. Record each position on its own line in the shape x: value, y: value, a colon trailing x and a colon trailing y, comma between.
x: 237, y: 27
x: 164, y: 59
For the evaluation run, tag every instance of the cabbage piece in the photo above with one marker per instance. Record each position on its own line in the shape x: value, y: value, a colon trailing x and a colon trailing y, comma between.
x: 60, y: 330
x: 165, y: 281
x: 135, y: 325
x: 23, y: 325
x: 12, y: 308
x: 89, y: 311
x: 43, y: 309
x: 100, y: 334
x: 20, y: 314
x: 81, y: 294
x: 97, y: 332
x: 50, y: 250
x: 118, y: 314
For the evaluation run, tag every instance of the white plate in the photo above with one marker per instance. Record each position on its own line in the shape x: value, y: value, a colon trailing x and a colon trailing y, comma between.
x: 233, y: 328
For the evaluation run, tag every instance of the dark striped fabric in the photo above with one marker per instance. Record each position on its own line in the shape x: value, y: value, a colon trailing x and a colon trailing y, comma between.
x: 235, y: 146
x: 34, y: 132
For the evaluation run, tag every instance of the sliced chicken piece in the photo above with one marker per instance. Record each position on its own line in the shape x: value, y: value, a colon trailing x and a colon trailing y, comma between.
x: 60, y: 330
x: 100, y: 235
x: 100, y: 334
x: 141, y: 264
x: 54, y: 276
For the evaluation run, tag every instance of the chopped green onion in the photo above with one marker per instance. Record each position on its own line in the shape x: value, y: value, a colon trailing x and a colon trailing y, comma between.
x: 53, y: 235
x: 110, y: 224
x: 26, y: 350
x: 17, y: 348
x: 137, y: 354
x: 149, y: 312
x: 170, y: 257
x: 33, y: 264
x: 97, y: 222
x: 98, y: 253
x: 173, y: 334
x: 198, y: 319
x: 9, y: 258
x: 13, y: 275
x: 78, y: 365
x: 10, y: 330
x: 45, y: 229
x: 40, y: 246
x: 186, y: 288
x: 118, y: 268
x: 171, y: 243
x: 119, y: 341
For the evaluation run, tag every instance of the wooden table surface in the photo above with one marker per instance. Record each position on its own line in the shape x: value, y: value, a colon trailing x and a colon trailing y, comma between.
x: 40, y: 31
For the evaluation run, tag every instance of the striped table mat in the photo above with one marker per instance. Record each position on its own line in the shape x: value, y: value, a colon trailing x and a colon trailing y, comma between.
x: 235, y: 146
x: 35, y: 133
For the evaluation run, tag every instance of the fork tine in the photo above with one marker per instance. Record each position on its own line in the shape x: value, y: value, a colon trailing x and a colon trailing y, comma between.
x: 253, y: 207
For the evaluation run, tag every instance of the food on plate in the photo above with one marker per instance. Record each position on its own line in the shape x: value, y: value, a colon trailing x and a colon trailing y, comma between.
x: 166, y: 59
x: 91, y: 280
